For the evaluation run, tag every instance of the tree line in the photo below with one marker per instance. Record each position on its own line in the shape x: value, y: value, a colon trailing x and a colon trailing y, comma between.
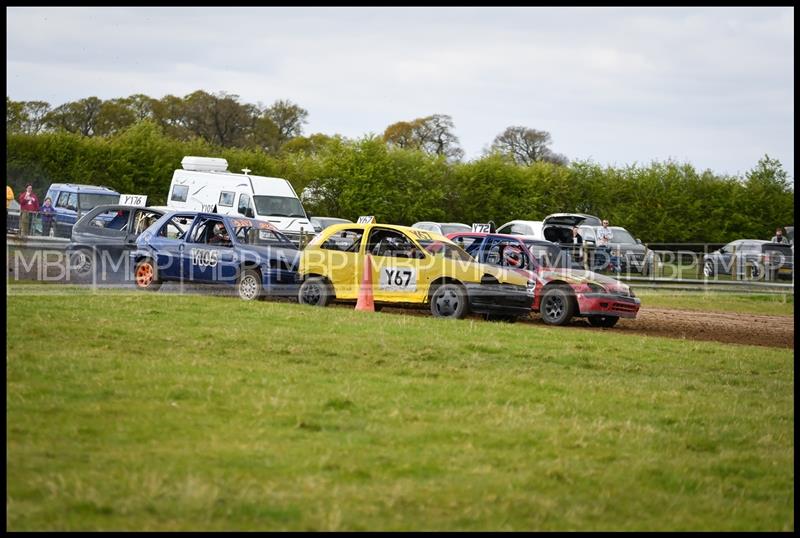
x: 408, y: 181
x: 221, y: 119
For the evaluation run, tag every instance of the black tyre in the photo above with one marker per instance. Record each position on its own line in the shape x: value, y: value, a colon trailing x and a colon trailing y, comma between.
x: 603, y: 321
x: 708, y: 269
x: 557, y: 306
x: 449, y: 301
x: 146, y: 275
x: 752, y: 271
x: 249, y: 285
x: 315, y: 291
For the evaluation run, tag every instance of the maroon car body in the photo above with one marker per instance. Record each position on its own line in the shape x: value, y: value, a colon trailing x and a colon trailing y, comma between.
x: 562, y: 291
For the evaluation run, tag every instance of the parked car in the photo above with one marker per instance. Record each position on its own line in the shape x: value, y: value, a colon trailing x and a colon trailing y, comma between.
x: 632, y: 255
x: 558, y: 226
x: 442, y: 228
x: 320, y: 223
x: 560, y: 293
x: 107, y: 232
x: 408, y: 266
x: 209, y: 248
x: 751, y: 258
x: 531, y: 228
x: 71, y: 201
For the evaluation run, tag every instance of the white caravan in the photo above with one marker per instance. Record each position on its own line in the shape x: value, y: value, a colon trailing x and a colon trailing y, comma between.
x: 205, y: 184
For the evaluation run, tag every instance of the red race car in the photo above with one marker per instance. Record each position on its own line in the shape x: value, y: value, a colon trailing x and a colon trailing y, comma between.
x: 563, y: 288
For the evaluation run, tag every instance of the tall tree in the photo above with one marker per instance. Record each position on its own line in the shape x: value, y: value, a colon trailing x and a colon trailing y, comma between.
x: 526, y: 146
x: 288, y: 117
x: 79, y: 117
x: 431, y: 134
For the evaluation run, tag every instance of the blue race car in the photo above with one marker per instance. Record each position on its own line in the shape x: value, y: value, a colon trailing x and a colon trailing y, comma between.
x: 189, y: 246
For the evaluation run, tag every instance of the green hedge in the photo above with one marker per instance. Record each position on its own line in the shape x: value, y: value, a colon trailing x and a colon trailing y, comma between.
x: 660, y: 202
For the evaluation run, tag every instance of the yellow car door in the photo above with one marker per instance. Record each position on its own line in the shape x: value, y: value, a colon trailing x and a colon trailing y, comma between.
x: 398, y: 274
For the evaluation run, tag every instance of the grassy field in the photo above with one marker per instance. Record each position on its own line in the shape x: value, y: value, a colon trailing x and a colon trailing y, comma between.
x: 156, y: 411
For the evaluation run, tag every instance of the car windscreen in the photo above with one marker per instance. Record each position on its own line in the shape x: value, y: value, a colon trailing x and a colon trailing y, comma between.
x: 622, y: 236
x: 447, y: 250
x: 454, y: 228
x: 279, y: 206
x: 247, y: 235
x: 89, y: 201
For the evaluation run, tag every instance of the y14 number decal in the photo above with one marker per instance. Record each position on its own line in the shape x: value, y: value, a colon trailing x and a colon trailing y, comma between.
x: 396, y: 279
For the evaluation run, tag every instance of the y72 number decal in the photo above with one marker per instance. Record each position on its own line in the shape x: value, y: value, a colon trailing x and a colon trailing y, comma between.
x: 393, y: 279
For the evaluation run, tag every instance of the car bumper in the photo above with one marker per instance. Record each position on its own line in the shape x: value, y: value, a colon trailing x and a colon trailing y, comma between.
x: 279, y: 283
x: 499, y: 299
x: 607, y: 304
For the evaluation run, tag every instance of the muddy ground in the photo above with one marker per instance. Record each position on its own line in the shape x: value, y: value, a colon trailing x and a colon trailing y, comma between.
x: 729, y: 328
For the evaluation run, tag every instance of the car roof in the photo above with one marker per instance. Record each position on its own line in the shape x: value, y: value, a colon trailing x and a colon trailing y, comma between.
x: 522, y: 238
x: 521, y: 222
x: 98, y: 189
x: 410, y: 230
x: 124, y: 206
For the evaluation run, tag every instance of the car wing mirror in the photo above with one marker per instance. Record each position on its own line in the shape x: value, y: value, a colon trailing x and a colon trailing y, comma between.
x: 639, y: 241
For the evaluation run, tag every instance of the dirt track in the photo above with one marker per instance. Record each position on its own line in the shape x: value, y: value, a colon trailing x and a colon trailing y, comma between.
x: 729, y: 328
x: 733, y: 328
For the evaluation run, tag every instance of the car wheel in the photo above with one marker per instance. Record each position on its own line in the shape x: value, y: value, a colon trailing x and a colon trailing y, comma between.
x: 708, y: 269
x: 753, y: 271
x: 603, y: 321
x: 557, y: 306
x: 249, y: 285
x: 449, y: 301
x: 146, y: 275
x: 81, y: 261
x: 315, y: 291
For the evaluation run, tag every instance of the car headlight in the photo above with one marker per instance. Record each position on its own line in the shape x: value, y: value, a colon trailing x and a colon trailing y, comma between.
x: 595, y: 288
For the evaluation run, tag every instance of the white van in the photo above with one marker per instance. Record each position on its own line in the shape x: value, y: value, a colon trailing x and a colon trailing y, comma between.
x: 205, y: 184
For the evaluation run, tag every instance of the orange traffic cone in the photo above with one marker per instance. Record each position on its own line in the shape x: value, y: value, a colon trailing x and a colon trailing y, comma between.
x: 365, y: 302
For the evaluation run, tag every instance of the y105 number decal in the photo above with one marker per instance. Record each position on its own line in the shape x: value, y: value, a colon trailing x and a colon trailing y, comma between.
x: 204, y: 258
x: 397, y: 279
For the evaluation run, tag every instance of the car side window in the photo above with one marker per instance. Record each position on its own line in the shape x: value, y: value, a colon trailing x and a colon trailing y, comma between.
x: 347, y: 240
x: 521, y: 229
x: 175, y: 228
x: 179, y: 193
x: 143, y: 220
x: 226, y: 198
x: 112, y: 219
x: 391, y: 243
x: 244, y: 204
x: 68, y: 200
x: 504, y: 229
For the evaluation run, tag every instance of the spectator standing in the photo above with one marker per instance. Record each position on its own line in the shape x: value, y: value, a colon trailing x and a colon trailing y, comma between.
x: 28, y: 206
x: 604, y: 237
x: 9, y: 198
x: 48, y: 213
x: 779, y: 238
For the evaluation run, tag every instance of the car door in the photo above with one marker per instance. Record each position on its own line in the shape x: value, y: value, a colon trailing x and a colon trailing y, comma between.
x: 725, y: 258
x: 341, y: 259
x: 204, y: 260
x: 167, y: 245
x: 397, y: 274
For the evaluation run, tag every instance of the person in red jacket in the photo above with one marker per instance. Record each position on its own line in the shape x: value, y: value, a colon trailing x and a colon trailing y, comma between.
x: 28, y: 206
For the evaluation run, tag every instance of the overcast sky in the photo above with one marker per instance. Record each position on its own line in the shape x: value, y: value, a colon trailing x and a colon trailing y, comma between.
x: 714, y: 86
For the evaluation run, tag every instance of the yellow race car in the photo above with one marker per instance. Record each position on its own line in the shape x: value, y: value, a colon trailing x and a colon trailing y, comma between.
x: 409, y: 266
